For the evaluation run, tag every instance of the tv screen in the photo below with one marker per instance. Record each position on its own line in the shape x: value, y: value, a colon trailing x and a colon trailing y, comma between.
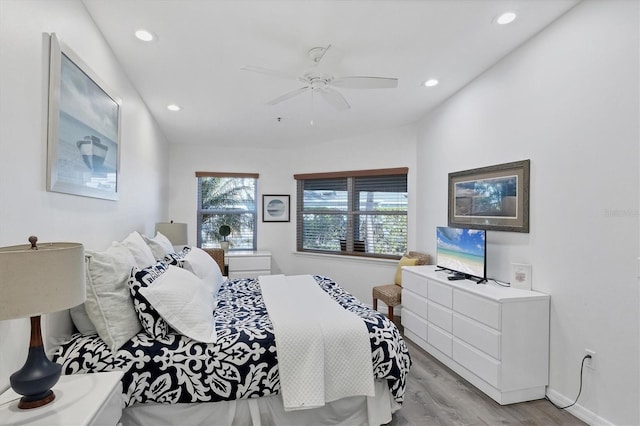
x: 462, y: 251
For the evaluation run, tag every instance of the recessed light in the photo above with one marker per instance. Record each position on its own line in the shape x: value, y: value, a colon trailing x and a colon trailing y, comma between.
x: 431, y: 82
x: 145, y: 35
x: 506, y: 18
x: 173, y: 107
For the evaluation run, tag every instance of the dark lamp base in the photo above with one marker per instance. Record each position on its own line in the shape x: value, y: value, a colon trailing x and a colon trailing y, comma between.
x: 34, y: 401
x: 38, y: 375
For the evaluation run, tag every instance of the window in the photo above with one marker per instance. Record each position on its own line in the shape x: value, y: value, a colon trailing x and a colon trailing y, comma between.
x: 227, y: 199
x: 357, y: 213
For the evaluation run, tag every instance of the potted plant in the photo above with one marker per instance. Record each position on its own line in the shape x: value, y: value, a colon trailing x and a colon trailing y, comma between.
x: 224, y: 231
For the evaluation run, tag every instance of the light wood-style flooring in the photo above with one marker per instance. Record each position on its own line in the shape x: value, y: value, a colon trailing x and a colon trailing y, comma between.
x: 438, y: 396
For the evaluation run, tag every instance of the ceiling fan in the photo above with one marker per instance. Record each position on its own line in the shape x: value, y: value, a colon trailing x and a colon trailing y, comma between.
x: 323, y: 83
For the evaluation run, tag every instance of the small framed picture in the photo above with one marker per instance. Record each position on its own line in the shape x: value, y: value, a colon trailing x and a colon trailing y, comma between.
x: 275, y: 208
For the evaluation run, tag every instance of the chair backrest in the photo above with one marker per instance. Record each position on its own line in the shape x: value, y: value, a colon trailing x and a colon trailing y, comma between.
x: 411, y: 258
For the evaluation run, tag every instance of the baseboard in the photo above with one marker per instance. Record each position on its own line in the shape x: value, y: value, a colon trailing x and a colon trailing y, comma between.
x: 578, y: 410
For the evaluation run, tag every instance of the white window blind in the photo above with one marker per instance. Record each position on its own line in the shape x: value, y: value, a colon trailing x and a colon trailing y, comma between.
x: 356, y: 213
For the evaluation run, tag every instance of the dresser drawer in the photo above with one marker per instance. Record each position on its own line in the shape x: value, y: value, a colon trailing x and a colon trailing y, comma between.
x: 488, y: 369
x: 440, y: 316
x: 484, y: 338
x: 440, y: 293
x: 248, y: 274
x: 415, y: 283
x: 414, y: 323
x: 249, y: 263
x: 414, y: 303
x: 439, y: 339
x: 477, y: 308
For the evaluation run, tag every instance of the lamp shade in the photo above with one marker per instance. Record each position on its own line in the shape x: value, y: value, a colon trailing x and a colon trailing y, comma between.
x: 38, y: 281
x: 175, y: 232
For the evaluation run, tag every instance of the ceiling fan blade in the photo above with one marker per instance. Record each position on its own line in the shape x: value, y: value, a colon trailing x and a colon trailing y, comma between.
x: 267, y: 71
x: 334, y: 98
x: 362, y: 82
x: 288, y: 95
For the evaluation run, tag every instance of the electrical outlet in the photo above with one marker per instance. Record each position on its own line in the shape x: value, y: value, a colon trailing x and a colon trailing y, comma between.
x: 590, y: 362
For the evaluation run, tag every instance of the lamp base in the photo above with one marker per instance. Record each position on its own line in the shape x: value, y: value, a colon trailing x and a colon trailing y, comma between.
x: 38, y: 375
x: 35, y: 401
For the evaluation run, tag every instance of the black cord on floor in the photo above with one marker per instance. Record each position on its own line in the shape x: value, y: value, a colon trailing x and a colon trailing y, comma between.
x: 579, y: 391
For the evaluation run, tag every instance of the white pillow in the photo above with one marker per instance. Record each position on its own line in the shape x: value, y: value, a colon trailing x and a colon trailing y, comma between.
x: 139, y: 249
x: 185, y: 302
x: 81, y: 320
x: 109, y: 305
x: 160, y: 245
x: 204, y: 267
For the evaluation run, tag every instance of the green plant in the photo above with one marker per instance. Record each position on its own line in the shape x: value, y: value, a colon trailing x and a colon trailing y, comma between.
x: 225, y: 231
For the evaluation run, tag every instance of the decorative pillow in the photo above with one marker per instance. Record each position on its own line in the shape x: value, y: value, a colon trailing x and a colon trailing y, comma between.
x: 176, y: 259
x: 81, y: 320
x: 204, y: 267
x: 109, y: 305
x: 185, y: 302
x: 404, y: 261
x: 151, y: 321
x: 160, y: 245
x: 139, y: 249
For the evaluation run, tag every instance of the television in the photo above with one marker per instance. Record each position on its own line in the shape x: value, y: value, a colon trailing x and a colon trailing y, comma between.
x: 462, y: 251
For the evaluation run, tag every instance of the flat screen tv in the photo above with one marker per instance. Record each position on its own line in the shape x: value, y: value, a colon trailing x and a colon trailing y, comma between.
x: 462, y: 251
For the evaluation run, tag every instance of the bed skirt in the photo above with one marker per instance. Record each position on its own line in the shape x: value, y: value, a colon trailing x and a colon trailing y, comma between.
x: 357, y: 410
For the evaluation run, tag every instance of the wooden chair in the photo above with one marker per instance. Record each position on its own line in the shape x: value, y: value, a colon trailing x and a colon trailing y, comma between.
x: 218, y: 255
x: 391, y: 294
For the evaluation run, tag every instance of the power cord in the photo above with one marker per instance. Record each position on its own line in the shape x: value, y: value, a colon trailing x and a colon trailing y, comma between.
x: 502, y: 283
x: 586, y: 357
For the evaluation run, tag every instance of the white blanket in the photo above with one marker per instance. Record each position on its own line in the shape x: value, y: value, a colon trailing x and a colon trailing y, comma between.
x: 324, y: 352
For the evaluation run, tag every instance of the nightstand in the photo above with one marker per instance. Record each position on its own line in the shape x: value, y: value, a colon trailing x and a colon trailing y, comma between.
x: 81, y: 399
x: 248, y: 264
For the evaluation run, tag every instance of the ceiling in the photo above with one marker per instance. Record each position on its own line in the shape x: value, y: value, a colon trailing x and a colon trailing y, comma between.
x: 201, y: 45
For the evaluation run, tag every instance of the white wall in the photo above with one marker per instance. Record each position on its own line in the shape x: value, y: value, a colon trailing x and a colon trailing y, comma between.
x: 393, y: 148
x: 26, y: 208
x: 567, y: 100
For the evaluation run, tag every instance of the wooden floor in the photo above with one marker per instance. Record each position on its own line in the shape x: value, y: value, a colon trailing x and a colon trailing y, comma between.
x: 438, y: 396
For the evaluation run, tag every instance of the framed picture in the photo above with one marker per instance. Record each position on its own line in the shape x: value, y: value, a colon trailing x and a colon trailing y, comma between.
x: 275, y: 208
x: 83, y: 140
x: 493, y: 198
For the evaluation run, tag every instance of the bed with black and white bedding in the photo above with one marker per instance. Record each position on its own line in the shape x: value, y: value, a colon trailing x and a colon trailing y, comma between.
x: 234, y: 377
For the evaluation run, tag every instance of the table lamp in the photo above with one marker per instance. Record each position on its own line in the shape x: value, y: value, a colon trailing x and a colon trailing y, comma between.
x: 36, y: 280
x: 175, y: 232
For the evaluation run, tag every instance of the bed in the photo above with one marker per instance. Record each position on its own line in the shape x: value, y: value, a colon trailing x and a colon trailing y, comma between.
x: 235, y: 378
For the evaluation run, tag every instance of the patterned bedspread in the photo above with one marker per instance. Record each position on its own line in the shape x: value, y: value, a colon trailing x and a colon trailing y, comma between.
x: 241, y: 364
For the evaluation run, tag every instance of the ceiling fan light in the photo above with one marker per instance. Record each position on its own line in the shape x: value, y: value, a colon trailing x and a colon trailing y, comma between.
x: 145, y: 35
x: 431, y: 82
x: 506, y: 18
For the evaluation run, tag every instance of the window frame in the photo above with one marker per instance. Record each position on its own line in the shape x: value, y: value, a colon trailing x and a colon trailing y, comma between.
x: 200, y: 211
x: 351, y: 212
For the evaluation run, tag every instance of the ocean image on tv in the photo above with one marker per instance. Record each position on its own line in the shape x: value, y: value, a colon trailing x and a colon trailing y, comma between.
x: 461, y: 250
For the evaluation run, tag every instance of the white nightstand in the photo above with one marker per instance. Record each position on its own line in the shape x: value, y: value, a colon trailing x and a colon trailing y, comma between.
x: 248, y: 264
x: 81, y: 399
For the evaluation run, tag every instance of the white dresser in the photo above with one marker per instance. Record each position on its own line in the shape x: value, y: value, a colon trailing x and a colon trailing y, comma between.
x: 495, y: 337
x: 248, y: 264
